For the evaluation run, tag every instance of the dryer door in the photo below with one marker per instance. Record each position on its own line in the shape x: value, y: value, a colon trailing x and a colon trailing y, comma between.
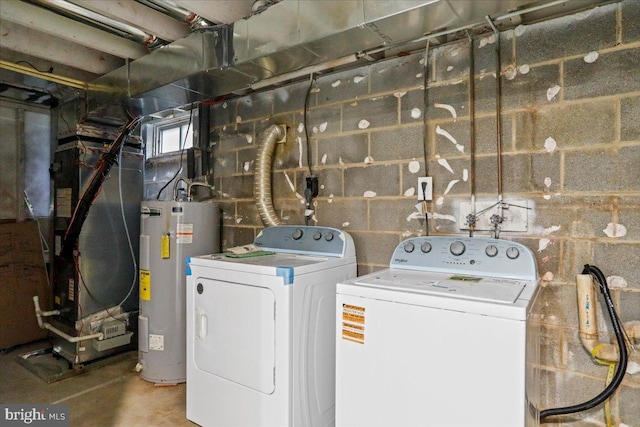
x: 235, y: 333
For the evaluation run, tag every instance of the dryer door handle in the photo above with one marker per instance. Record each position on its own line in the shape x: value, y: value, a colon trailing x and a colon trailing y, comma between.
x: 202, y: 325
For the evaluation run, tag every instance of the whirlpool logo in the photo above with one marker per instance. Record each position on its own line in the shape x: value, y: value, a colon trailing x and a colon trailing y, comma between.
x: 35, y: 415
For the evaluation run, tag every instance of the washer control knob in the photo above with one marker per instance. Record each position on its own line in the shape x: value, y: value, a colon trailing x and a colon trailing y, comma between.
x: 317, y: 235
x: 297, y: 234
x: 409, y: 247
x: 457, y: 248
x: 328, y: 237
x: 491, y: 250
x: 513, y: 252
x: 425, y: 247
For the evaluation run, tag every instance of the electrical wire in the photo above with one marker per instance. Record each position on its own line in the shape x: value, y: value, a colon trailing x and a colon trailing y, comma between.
x: 311, y: 190
x: 305, y: 119
x: 181, y: 148
x: 50, y: 70
x: 126, y: 229
x: 92, y: 189
x: 622, y: 347
x: 104, y: 306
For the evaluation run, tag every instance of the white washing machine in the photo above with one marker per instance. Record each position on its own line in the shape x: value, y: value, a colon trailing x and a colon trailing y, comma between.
x: 439, y: 338
x: 261, y: 330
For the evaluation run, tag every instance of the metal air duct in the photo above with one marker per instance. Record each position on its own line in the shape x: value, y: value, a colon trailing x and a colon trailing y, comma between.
x: 289, y: 36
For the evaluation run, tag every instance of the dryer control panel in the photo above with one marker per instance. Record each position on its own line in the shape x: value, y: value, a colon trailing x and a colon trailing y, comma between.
x: 307, y: 240
x: 466, y: 255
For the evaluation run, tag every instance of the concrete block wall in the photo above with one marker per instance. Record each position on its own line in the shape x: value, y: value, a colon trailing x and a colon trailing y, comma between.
x: 571, y: 152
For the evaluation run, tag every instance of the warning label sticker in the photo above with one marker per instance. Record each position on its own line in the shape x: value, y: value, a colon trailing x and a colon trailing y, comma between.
x: 145, y: 285
x: 353, y: 318
x: 184, y: 233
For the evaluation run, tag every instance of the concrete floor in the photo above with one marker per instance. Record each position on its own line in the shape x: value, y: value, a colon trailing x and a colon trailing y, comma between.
x: 112, y: 395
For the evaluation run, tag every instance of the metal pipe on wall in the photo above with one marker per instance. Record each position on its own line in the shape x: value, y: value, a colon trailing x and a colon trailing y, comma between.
x: 498, y: 218
x: 498, y: 107
x: 472, y: 136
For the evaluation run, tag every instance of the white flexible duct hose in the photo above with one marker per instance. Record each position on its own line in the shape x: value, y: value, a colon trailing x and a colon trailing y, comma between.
x: 262, y: 180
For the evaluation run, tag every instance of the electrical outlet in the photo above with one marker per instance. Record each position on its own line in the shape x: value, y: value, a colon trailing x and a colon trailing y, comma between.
x: 427, y: 194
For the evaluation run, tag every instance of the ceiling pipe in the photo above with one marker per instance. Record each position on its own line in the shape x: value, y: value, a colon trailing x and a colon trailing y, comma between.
x: 125, y: 30
x: 44, y: 76
x: 177, y: 12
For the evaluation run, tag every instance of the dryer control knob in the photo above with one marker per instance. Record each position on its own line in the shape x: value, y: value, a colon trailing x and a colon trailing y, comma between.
x: 409, y: 247
x: 491, y: 250
x: 297, y: 234
x: 317, y: 235
x: 329, y: 237
x: 457, y: 248
x: 425, y: 247
x: 513, y: 252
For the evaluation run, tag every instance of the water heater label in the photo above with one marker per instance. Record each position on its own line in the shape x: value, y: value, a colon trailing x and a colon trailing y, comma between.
x: 156, y: 342
x: 145, y: 285
x: 353, y: 317
x: 185, y: 233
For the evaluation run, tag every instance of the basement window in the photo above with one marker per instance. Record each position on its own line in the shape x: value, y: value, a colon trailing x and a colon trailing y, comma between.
x: 170, y: 135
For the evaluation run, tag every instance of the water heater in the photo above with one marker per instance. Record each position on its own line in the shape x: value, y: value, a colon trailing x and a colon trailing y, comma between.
x: 171, y: 231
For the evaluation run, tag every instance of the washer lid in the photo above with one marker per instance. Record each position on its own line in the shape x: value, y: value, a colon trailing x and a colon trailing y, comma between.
x: 486, y: 289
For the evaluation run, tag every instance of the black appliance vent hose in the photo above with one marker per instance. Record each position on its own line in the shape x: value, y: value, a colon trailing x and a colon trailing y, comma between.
x: 622, y: 363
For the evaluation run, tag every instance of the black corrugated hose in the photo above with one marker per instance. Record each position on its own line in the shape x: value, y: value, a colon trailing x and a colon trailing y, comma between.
x: 622, y: 363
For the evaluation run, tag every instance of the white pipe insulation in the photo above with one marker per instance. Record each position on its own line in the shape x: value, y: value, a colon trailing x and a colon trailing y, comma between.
x: 262, y: 182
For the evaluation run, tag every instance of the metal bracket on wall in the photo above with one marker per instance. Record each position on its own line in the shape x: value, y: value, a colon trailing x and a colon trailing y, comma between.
x: 512, y: 216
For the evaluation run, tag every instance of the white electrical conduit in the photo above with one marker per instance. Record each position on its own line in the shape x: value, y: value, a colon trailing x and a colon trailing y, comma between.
x: 44, y: 325
x: 262, y: 181
x: 588, y: 326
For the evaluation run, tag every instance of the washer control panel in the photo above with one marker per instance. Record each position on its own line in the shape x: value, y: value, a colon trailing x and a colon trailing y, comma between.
x: 308, y: 240
x: 466, y: 255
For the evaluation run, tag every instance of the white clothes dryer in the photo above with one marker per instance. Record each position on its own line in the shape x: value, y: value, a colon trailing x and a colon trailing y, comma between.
x: 439, y: 338
x: 261, y: 330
